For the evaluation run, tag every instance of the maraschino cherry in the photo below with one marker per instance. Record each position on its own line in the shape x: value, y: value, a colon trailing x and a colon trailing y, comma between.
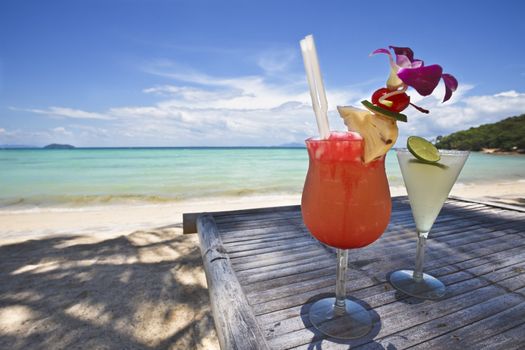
x: 399, y: 101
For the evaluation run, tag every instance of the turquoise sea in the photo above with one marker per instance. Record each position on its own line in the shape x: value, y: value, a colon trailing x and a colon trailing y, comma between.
x: 47, y: 178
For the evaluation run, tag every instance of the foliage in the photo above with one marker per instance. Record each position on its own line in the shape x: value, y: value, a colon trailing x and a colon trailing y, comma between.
x: 506, y: 135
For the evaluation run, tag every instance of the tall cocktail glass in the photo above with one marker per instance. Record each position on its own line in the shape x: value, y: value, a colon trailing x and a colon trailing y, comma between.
x: 428, y: 186
x: 345, y: 204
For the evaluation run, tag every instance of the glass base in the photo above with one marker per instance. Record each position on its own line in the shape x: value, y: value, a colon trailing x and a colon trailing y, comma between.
x: 354, y: 323
x: 428, y: 288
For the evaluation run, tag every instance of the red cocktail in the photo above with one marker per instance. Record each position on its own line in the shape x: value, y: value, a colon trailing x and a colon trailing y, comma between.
x: 345, y: 203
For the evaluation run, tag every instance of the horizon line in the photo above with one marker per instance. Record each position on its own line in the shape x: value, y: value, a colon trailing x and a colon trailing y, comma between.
x: 22, y: 147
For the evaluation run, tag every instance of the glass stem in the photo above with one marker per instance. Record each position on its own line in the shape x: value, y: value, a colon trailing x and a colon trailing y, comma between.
x: 420, y: 256
x: 340, y: 284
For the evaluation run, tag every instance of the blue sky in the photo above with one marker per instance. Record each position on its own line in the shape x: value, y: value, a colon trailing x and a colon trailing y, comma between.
x: 223, y: 73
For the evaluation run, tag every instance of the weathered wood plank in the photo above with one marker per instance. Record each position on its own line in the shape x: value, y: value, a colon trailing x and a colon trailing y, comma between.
x: 272, y: 238
x: 446, y: 239
x: 491, y: 204
x: 241, y: 226
x: 457, y: 216
x: 451, y: 322
x: 258, y: 233
x: 267, y: 275
x: 189, y: 220
x: 258, y: 287
x: 453, y: 235
x: 289, y: 245
x: 240, y: 212
x: 263, y: 221
x: 236, y: 325
x: 281, y: 261
x: 444, y: 252
x: 312, y: 248
x: 283, y: 266
x: 479, y: 330
x: 233, y: 221
x: 469, y: 218
x: 511, y: 339
x: 253, y: 247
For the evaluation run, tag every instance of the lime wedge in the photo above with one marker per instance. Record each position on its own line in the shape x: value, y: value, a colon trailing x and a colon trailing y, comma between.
x: 423, y: 150
x: 373, y: 108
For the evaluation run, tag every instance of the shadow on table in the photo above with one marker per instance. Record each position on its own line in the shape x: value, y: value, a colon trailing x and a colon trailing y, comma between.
x: 402, y: 297
x: 318, y: 337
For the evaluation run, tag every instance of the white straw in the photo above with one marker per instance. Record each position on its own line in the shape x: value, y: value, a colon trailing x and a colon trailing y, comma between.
x: 317, y: 73
x: 315, y: 82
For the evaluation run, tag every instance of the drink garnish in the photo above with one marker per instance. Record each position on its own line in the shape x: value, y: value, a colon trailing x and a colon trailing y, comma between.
x: 376, y: 109
x: 407, y: 72
x: 378, y: 125
x: 393, y: 102
x: 423, y: 150
x: 378, y: 131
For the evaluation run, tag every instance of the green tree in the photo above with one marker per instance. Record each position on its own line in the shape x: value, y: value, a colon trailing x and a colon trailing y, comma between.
x: 507, y: 135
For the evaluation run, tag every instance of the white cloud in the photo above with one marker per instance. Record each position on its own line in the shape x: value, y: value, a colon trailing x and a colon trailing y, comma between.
x: 191, y: 94
x: 276, y: 61
x: 62, y: 131
x: 64, y: 112
x: 19, y: 137
x: 78, y: 135
x: 511, y: 93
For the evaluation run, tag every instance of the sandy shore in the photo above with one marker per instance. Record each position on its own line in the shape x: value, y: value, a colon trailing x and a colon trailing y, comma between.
x: 123, y: 277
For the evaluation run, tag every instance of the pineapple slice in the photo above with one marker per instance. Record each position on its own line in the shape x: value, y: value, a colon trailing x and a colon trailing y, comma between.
x: 379, y: 132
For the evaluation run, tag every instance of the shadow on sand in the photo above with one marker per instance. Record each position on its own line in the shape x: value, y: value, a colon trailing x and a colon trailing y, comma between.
x: 142, y: 291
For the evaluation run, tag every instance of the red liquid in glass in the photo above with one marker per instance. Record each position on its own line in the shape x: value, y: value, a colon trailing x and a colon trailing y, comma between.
x: 345, y: 203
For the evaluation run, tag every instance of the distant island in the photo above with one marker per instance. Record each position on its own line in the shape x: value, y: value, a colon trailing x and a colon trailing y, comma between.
x: 58, y: 146
x: 507, y: 135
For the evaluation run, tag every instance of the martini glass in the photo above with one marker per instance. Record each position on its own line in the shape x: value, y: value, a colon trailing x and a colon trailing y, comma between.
x: 345, y: 204
x: 428, y: 186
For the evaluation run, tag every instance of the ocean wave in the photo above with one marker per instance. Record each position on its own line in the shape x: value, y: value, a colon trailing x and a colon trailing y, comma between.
x: 78, y: 201
x: 82, y: 200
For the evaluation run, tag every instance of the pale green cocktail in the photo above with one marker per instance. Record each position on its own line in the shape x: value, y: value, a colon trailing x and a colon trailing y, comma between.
x: 428, y: 186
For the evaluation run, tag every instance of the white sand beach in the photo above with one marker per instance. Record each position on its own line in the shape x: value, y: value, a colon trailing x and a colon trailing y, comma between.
x: 123, y: 276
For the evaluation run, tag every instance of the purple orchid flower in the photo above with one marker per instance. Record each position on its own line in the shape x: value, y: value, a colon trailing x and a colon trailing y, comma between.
x: 412, y: 72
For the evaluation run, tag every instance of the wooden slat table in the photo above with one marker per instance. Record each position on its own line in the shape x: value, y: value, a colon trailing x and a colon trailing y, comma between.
x: 264, y: 270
